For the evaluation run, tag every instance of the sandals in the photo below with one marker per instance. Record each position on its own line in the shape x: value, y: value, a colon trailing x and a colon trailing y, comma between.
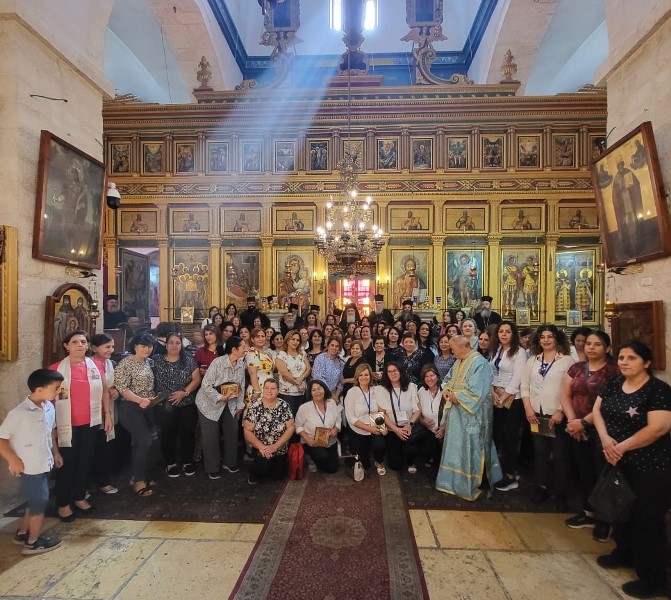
x: 150, y: 483
x: 108, y: 489
x: 380, y: 469
x: 143, y: 490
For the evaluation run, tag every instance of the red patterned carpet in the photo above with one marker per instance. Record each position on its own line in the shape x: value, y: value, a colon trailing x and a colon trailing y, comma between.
x: 330, y: 537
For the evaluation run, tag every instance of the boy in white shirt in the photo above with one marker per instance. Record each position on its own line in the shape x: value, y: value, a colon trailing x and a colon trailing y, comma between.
x: 27, y: 437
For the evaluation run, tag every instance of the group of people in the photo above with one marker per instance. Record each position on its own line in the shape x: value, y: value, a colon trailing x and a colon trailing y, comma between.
x: 454, y: 396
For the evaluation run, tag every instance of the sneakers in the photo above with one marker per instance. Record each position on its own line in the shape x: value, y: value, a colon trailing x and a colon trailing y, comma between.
x: 172, y: 471
x: 20, y: 538
x: 41, y: 545
x: 189, y: 469
x: 214, y: 476
x: 580, y: 521
x: 412, y: 469
x: 612, y: 561
x: 642, y: 589
x: 601, y: 532
x: 506, y: 484
x: 251, y: 481
x: 230, y: 469
x: 312, y: 467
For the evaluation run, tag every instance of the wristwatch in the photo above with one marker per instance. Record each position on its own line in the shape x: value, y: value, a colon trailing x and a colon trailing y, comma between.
x: 411, y: 423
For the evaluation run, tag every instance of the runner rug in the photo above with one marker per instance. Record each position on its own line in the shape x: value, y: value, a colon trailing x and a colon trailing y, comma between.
x: 331, y: 537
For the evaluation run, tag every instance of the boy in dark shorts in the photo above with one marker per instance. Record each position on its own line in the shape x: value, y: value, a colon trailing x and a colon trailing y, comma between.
x: 27, y: 437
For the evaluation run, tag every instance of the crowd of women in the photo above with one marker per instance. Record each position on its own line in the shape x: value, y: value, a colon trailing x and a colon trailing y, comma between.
x: 375, y: 391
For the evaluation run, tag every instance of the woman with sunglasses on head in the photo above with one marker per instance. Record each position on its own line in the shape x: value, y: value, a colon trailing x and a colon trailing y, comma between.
x: 508, y: 360
x: 632, y: 415
x: 319, y: 412
x: 260, y: 366
x: 541, y: 390
x: 294, y: 370
x: 177, y: 375
x: 582, y: 384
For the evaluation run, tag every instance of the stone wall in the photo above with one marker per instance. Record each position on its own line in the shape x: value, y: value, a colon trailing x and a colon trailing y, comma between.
x: 639, y: 89
x: 38, y: 57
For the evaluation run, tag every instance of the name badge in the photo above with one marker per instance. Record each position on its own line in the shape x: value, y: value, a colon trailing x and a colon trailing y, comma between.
x: 94, y: 374
x: 402, y: 416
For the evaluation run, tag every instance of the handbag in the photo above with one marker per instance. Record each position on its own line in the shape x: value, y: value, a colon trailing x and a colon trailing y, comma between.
x: 357, y: 470
x: 418, y: 429
x: 612, y: 499
x: 500, y: 390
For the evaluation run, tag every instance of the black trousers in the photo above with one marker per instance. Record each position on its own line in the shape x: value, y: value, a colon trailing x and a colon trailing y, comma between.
x: 72, y: 479
x: 643, y: 539
x: 138, y: 423
x: 177, y: 423
x: 589, y: 462
x: 326, y: 459
x: 552, y: 453
x: 508, y: 423
x: 101, y: 470
x: 400, y: 451
x: 431, y: 447
x: 276, y: 467
x: 361, y: 445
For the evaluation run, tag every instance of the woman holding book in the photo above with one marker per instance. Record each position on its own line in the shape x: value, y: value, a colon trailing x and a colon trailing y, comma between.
x: 317, y: 424
x: 541, y: 390
x: 365, y: 406
x: 508, y: 360
x: 220, y: 402
x: 177, y: 376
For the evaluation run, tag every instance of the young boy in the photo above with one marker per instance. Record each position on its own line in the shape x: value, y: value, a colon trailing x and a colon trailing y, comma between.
x: 27, y: 437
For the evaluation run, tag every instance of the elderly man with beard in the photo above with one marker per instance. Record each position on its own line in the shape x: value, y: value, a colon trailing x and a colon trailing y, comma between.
x: 485, y: 315
x: 351, y: 315
x: 380, y: 313
x: 407, y: 315
x: 113, y: 316
x: 468, y: 451
x: 291, y: 320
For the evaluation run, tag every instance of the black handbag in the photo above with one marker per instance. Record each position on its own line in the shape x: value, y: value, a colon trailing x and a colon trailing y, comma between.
x: 418, y: 430
x: 612, y: 499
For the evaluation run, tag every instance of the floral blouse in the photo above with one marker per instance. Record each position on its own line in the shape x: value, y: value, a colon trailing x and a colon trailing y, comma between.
x: 295, y: 366
x: 264, y: 364
x: 270, y: 423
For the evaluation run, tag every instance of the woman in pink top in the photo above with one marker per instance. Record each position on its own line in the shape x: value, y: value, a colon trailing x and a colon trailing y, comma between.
x: 82, y: 405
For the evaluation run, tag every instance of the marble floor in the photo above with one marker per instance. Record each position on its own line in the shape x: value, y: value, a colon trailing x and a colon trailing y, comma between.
x: 465, y: 555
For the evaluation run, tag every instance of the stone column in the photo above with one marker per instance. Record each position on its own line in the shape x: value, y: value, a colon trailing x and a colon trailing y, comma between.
x: 268, y: 287
x: 551, y: 240
x: 438, y: 272
x: 216, y: 288
x: 494, y: 275
x: 165, y: 281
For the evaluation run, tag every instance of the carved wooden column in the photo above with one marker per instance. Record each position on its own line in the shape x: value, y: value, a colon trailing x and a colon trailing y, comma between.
x: 216, y: 289
x: 169, y: 152
x: 301, y: 152
x: 512, y: 148
x: 584, y: 152
x: 165, y: 278
x: 441, y: 150
x: 135, y: 154
x: 268, y: 154
x: 438, y: 275
x: 266, y: 279
x: 335, y: 148
x: 371, y: 151
x: 234, y: 153
x: 201, y: 153
x: 405, y: 150
x: 551, y: 240
x: 476, y: 152
x: 547, y: 147
x: 494, y: 276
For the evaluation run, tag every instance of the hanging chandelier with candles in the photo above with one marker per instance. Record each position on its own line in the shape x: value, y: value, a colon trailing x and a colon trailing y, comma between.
x: 349, y: 237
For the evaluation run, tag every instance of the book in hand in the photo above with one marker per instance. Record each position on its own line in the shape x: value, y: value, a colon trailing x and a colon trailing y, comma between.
x: 322, y: 437
x: 543, y: 427
x: 159, y: 398
x: 229, y: 388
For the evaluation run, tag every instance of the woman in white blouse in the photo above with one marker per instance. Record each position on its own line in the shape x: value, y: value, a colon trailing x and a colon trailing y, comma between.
x: 294, y: 369
x: 541, y: 393
x: 319, y: 411
x: 432, y: 415
x: 361, y: 400
x: 401, y: 418
x: 508, y: 360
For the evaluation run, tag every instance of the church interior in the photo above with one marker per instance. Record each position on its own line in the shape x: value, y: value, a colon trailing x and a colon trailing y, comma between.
x: 323, y: 153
